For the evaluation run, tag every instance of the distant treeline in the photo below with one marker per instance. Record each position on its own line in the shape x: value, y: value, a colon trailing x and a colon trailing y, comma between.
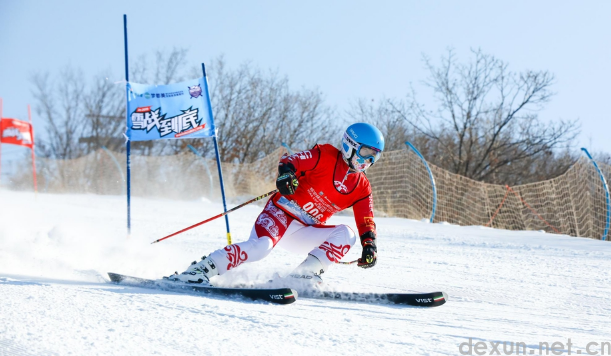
x: 485, y: 124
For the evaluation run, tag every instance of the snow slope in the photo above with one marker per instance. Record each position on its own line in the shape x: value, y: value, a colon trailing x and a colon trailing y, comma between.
x: 505, y: 286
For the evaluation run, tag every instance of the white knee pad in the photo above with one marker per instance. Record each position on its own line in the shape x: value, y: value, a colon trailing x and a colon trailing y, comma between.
x: 336, y: 246
x: 343, y: 234
x: 257, y: 248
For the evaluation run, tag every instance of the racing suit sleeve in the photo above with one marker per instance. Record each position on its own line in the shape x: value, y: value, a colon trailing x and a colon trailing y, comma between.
x: 363, y: 215
x: 300, y: 162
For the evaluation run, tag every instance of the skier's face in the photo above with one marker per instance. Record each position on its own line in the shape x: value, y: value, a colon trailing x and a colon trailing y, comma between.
x: 364, y: 157
x: 360, y: 164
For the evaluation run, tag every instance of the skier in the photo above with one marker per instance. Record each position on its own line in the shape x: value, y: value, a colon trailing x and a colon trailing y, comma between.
x: 312, y: 186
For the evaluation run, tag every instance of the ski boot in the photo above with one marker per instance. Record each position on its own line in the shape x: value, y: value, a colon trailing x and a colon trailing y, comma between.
x: 308, y: 271
x: 198, y: 272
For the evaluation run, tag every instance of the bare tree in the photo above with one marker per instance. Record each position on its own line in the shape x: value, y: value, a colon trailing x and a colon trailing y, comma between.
x: 79, y: 119
x: 602, y: 157
x: 166, y: 67
x: 60, y: 105
x: 393, y: 126
x: 105, y: 120
x: 256, y: 111
x: 486, y: 125
x: 170, y: 65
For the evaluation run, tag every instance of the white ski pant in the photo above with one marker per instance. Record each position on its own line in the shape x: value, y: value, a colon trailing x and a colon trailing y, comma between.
x: 329, y: 243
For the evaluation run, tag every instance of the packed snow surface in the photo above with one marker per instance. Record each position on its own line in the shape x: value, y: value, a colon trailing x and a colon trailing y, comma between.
x: 504, y: 286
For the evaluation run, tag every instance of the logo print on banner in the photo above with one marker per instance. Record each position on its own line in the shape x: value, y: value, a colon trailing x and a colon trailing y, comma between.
x: 235, y: 255
x: 148, y: 95
x: 334, y: 252
x: 195, y: 91
x: 276, y: 212
x: 143, y: 118
x: 18, y: 135
x: 266, y: 222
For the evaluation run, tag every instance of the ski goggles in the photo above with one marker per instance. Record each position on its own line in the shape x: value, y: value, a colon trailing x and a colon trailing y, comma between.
x: 368, y: 153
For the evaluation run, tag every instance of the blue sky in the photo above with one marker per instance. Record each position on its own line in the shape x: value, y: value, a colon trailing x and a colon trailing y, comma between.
x: 347, y: 49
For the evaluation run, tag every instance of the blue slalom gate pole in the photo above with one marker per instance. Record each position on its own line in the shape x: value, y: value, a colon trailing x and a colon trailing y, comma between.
x: 127, y: 143
x: 218, y: 159
x: 430, y: 177
x: 604, y: 181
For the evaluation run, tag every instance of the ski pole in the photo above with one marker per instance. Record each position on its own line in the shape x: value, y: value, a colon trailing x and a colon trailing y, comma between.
x: 218, y: 216
x: 346, y: 263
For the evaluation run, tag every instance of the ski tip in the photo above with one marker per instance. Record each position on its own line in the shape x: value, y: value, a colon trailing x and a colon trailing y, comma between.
x: 440, y: 299
x: 115, y: 277
x: 290, y: 296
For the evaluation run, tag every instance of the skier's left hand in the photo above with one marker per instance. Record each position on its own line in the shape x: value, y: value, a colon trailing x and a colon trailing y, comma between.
x: 287, y: 181
x: 370, y: 251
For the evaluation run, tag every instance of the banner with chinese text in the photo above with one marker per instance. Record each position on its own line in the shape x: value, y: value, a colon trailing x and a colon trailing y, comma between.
x: 16, y: 132
x: 171, y: 111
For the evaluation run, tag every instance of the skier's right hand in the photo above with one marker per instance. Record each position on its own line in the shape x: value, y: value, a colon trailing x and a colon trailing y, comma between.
x: 370, y: 251
x: 287, y: 181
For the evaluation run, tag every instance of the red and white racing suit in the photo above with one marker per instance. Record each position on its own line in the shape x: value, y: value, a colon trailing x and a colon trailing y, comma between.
x: 297, y: 222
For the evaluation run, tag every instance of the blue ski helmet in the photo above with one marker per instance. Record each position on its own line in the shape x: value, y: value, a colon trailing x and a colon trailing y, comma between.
x: 362, y: 146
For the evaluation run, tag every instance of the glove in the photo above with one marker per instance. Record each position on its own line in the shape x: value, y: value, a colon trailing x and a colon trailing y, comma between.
x: 287, y: 181
x: 370, y: 251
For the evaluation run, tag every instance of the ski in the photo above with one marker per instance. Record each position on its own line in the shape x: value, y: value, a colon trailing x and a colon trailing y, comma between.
x: 273, y: 295
x: 433, y: 299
